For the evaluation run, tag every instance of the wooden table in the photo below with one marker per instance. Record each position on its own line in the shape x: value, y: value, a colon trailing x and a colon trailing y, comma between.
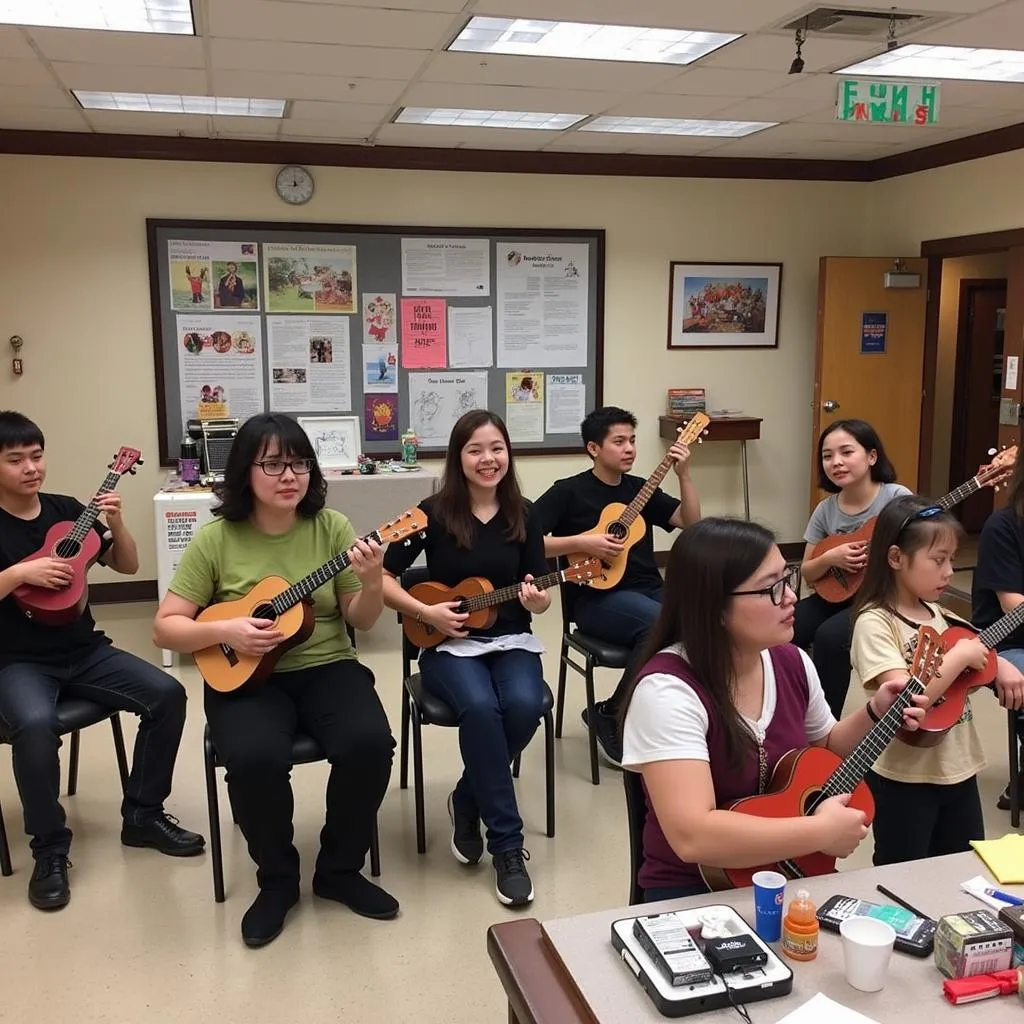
x: 721, y: 428
x: 566, y: 971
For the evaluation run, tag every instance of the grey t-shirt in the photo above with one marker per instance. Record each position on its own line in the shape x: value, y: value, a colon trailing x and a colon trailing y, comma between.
x: 828, y: 518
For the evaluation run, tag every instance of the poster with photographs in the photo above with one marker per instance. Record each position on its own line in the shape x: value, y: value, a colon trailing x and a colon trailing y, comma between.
x: 309, y: 363
x: 306, y: 278
x: 213, y: 275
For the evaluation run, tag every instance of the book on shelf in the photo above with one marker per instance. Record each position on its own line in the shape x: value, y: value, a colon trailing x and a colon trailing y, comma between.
x: 686, y: 401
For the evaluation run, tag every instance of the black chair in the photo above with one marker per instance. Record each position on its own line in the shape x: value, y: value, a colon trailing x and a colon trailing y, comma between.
x: 1011, y: 725
x: 420, y: 707
x: 596, y: 653
x: 636, y: 815
x: 305, y: 750
x: 73, y: 715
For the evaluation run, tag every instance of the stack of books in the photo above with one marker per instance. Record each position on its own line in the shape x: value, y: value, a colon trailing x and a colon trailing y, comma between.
x: 686, y: 401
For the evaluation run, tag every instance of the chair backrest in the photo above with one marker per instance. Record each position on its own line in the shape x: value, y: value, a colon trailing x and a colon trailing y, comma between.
x: 636, y: 815
x: 410, y: 652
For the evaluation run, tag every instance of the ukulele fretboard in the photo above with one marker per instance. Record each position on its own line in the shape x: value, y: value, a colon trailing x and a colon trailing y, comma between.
x: 87, y: 519
x: 1002, y: 628
x: 510, y: 593
x: 961, y: 493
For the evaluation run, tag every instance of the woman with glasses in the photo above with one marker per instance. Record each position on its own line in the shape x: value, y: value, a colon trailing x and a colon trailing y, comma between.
x: 271, y: 520
x: 723, y: 695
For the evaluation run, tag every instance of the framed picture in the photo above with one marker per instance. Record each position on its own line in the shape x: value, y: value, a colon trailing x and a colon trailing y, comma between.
x: 724, y: 305
x: 335, y: 440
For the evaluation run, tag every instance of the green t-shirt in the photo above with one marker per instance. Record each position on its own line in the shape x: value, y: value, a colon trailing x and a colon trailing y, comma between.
x: 225, y: 560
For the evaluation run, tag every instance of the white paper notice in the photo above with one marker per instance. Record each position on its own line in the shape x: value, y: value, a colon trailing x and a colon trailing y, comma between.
x: 567, y: 402
x: 446, y: 266
x: 470, y: 336
x: 542, y: 304
x: 524, y: 405
x: 309, y: 363
x: 437, y: 400
x: 220, y: 366
x: 1012, y: 362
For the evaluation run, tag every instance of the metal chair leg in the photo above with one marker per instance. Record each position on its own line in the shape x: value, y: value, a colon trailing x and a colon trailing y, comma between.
x: 73, y: 764
x: 516, y: 765
x: 549, y: 772
x: 1011, y: 718
x: 216, y: 858
x: 595, y: 774
x: 560, y: 696
x: 375, y: 851
x: 403, y: 775
x: 417, y: 780
x: 5, y: 851
x: 119, y: 751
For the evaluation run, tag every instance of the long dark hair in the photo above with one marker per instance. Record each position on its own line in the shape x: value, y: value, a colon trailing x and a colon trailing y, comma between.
x: 708, y: 561
x: 235, y: 493
x: 882, y: 472
x: 451, y: 505
x: 897, y: 525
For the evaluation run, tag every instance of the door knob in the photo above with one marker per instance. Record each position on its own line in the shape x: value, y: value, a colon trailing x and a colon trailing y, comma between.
x: 829, y: 406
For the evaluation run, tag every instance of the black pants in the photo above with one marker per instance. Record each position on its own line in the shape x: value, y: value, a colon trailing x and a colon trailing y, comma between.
x: 253, y: 730
x: 115, y: 679
x: 825, y: 631
x: 914, y: 820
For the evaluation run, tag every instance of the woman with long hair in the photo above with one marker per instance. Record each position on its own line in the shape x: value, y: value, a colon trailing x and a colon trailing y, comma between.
x: 723, y: 695
x: 271, y: 520
x: 480, y: 525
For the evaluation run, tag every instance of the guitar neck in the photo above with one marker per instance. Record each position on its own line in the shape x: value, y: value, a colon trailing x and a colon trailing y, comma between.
x: 317, y: 578
x: 1002, y: 628
x: 636, y: 506
x: 510, y: 593
x: 854, y: 768
x: 87, y: 519
x: 961, y: 493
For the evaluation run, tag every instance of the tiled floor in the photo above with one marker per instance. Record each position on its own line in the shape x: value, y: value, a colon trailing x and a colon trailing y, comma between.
x: 143, y: 940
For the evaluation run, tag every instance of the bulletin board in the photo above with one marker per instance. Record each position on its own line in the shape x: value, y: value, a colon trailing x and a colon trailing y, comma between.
x: 401, y: 327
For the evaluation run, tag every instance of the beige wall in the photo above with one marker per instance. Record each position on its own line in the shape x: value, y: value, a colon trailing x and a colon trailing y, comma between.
x: 953, y: 271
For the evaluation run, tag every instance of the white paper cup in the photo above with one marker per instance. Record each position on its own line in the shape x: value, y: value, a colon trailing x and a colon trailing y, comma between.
x: 867, y: 947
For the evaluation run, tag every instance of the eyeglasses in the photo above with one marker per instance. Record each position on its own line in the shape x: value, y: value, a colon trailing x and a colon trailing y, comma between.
x: 276, y: 467
x: 921, y: 513
x: 777, y: 591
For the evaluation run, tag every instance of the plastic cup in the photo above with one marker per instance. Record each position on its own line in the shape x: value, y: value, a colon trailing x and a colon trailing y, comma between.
x: 769, y: 890
x: 867, y: 948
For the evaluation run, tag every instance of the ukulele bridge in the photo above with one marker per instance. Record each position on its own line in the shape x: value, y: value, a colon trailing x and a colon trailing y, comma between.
x: 230, y: 654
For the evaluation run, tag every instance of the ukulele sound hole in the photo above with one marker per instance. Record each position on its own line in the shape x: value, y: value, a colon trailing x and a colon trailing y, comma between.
x: 618, y: 531
x: 67, y: 548
x: 813, y: 800
x: 264, y: 611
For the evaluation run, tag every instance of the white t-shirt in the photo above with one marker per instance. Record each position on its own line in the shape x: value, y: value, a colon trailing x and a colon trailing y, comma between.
x: 666, y: 720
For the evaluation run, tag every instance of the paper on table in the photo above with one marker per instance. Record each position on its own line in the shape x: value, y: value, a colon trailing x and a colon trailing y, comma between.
x: 1004, y: 857
x: 976, y: 887
x: 822, y: 1010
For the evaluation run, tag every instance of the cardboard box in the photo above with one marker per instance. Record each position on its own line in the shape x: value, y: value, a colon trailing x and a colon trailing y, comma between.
x: 975, y: 942
x: 1014, y: 917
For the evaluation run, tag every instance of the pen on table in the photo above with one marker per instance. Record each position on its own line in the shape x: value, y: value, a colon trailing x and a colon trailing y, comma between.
x: 903, y: 903
x: 1006, y: 897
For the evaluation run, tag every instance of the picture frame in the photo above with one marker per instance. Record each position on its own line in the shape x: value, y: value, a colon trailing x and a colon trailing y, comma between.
x: 724, y: 305
x: 335, y: 440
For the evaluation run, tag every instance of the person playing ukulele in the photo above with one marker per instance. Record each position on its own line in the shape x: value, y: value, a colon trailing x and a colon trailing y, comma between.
x: 721, y: 696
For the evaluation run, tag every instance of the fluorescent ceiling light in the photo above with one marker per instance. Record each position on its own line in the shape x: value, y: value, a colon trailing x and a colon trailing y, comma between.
x: 170, y: 16
x: 960, y: 62
x: 160, y: 104
x: 592, y: 42
x: 488, y: 118
x: 676, y: 126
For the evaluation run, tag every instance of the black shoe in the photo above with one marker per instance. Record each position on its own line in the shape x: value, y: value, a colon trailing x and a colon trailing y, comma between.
x: 264, y: 920
x: 467, y: 844
x: 1003, y: 803
x: 163, y: 833
x: 606, y: 733
x: 359, y: 894
x: 511, y: 879
x: 48, y: 889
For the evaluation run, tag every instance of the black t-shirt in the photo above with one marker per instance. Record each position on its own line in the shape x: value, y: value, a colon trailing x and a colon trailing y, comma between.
x: 574, y: 505
x: 1000, y: 568
x: 500, y: 561
x: 22, y: 638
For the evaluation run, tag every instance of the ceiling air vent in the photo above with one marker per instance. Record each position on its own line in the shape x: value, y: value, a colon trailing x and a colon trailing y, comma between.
x: 858, y: 24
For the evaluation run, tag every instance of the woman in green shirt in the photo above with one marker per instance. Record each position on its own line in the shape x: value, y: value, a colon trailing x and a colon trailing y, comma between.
x: 271, y: 520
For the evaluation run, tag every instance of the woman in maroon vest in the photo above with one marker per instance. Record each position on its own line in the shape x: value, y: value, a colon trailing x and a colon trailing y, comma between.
x: 722, y: 697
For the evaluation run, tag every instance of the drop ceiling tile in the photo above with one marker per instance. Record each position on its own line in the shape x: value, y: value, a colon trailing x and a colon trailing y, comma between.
x: 660, y: 105
x: 1002, y: 28
x: 775, y: 53
x: 705, y: 81
x: 25, y: 73
x: 768, y: 108
x: 452, y: 6
x: 313, y: 58
x: 587, y: 142
x: 14, y: 45
x: 133, y: 123
x: 127, y: 78
x: 821, y: 87
x: 324, y: 88
x: 35, y: 96
x: 991, y: 95
x: 313, y: 110
x: 665, y: 145
x: 140, y: 48
x: 49, y: 119
x: 508, y: 97
x: 328, y: 131
x: 470, y: 138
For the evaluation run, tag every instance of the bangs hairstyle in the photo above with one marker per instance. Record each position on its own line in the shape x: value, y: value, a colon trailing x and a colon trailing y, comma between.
x: 598, y: 424
x: 882, y: 472
x: 878, y: 590
x: 451, y: 503
x: 18, y: 431
x: 255, y: 436
x: 708, y: 561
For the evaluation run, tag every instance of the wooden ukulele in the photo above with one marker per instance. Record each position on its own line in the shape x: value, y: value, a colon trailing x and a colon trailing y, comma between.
x: 624, y: 522
x: 839, y: 584
x: 78, y: 544
x: 289, y: 605
x: 480, y: 600
x: 804, y: 779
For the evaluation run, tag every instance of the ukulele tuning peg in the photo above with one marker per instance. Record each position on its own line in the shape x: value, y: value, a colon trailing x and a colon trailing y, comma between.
x: 992, y: 451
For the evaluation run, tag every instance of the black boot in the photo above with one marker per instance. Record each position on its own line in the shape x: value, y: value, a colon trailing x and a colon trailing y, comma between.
x: 48, y: 889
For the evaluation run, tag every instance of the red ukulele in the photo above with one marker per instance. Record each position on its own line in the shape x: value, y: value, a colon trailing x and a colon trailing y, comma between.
x: 78, y: 544
x: 803, y: 779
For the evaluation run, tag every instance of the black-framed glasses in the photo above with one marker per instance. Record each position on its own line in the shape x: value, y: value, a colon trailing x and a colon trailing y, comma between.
x: 921, y: 513
x: 777, y: 591
x: 276, y: 467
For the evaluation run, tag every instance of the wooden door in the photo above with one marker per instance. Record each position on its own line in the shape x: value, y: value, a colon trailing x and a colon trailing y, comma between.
x: 859, y: 375
x: 1013, y: 345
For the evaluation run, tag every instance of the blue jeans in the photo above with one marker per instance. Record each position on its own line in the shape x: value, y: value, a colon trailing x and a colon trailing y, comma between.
x: 499, y: 700
x: 622, y: 617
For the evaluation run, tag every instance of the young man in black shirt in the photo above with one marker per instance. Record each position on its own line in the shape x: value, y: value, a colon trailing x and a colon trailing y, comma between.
x: 571, y: 507
x: 40, y: 663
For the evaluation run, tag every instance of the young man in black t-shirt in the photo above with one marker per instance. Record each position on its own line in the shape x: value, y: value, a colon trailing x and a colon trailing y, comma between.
x: 40, y: 663
x: 571, y: 507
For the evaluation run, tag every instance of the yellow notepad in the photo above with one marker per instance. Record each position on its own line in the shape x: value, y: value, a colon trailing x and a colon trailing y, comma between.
x: 1004, y: 857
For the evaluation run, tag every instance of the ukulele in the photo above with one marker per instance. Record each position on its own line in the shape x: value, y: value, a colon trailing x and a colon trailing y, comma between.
x: 289, y: 606
x: 839, y: 584
x: 804, y: 779
x: 478, y: 598
x: 78, y: 544
x: 624, y: 522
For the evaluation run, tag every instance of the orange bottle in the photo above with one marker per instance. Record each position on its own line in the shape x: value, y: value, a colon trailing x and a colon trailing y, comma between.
x: 800, y: 928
